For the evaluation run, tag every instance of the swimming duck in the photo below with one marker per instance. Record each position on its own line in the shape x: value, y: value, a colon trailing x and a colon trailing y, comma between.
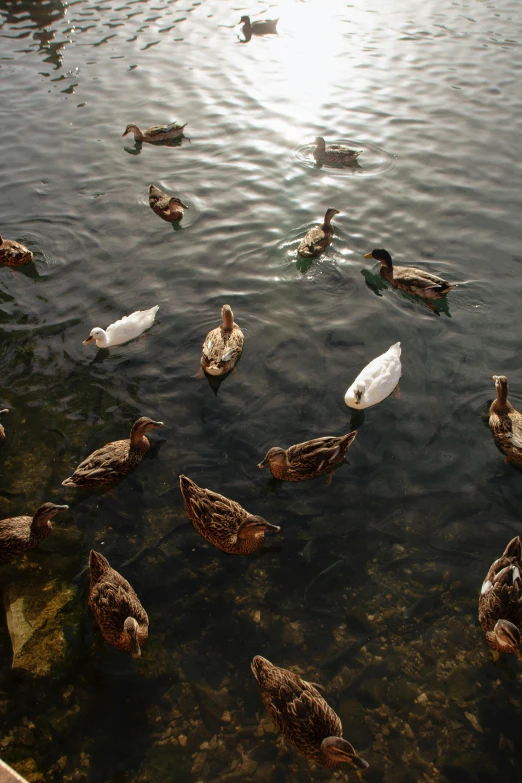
x: 120, y: 616
x: 335, y: 154
x: 262, y: 27
x: 113, y: 461
x: 378, y: 379
x: 303, y: 716
x: 167, y: 207
x: 156, y: 132
x: 223, y: 522
x: 409, y: 278
x: 223, y: 345
x: 309, y: 459
x: 319, y: 237
x: 500, y: 602
x: 2, y: 431
x: 13, y: 253
x: 127, y: 328
x: 18, y: 534
x: 505, y: 422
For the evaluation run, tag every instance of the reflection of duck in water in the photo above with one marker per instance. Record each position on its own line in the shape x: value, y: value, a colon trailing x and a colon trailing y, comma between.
x: 334, y: 155
x: 410, y: 279
x: 261, y: 27
x: 500, y: 602
x: 506, y: 423
x: 318, y: 238
x: 167, y: 207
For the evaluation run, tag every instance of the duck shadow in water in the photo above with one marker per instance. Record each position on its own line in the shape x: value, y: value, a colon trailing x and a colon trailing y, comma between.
x: 348, y: 167
x: 377, y: 284
x: 136, y: 148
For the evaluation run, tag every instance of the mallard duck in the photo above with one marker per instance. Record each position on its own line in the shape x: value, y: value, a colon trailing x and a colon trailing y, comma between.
x: 303, y: 716
x: 2, y: 431
x: 127, y: 328
x: 378, y: 379
x: 409, y: 278
x: 18, y: 534
x: 261, y: 27
x: 319, y: 237
x: 309, y: 459
x: 167, y: 207
x: 120, y: 616
x: 13, y: 253
x: 113, y: 461
x: 505, y: 422
x: 335, y: 154
x: 223, y: 345
x: 156, y: 132
x: 500, y: 602
x: 223, y: 522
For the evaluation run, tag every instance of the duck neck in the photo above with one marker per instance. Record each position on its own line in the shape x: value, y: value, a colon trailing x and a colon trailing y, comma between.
x: 138, y: 135
x: 138, y: 441
x: 501, y: 404
x: 228, y: 320
x: 247, y: 27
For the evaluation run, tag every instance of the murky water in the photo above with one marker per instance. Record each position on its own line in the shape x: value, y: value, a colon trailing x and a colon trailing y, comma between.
x: 431, y: 93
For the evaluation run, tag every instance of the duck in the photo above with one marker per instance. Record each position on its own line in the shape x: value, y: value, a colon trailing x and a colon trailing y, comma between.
x: 500, y: 602
x: 167, y: 207
x: 13, y: 253
x: 303, y: 716
x: 120, y: 616
x: 334, y: 155
x: 18, y: 534
x: 377, y: 381
x: 156, y: 132
x: 309, y: 459
x: 223, y: 522
x: 127, y: 328
x: 319, y: 237
x: 112, y: 462
x: 223, y: 345
x: 410, y: 279
x: 506, y: 423
x: 261, y: 27
x: 2, y: 431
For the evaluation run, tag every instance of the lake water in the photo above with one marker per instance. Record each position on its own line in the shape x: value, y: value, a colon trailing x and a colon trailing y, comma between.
x: 431, y: 92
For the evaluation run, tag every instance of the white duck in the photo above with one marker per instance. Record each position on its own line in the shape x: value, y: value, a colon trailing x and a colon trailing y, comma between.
x: 377, y: 380
x: 127, y: 328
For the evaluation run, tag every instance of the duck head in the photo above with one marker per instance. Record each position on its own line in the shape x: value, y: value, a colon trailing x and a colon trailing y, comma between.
x: 45, y: 513
x: 507, y: 636
x: 320, y: 144
x: 131, y: 128
x: 274, y: 454
x: 255, y: 527
x: 358, y: 391
x: 501, y: 386
x: 143, y: 425
x: 330, y: 212
x: 340, y: 751
x: 380, y: 255
x: 99, y: 336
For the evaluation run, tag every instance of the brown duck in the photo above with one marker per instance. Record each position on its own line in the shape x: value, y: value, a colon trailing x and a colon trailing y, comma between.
x: 120, y: 616
x: 505, y: 422
x: 2, y: 431
x: 167, y: 207
x: 223, y: 522
x: 500, y: 602
x: 410, y: 279
x: 223, y: 345
x: 18, y: 534
x: 309, y: 459
x: 318, y: 238
x: 13, y: 253
x: 303, y: 716
x: 113, y: 461
x: 334, y: 155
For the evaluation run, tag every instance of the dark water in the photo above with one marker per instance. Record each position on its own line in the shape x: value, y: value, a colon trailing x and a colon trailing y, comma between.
x: 431, y: 92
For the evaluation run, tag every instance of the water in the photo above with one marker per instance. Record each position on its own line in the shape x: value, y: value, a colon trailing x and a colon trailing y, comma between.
x: 431, y: 93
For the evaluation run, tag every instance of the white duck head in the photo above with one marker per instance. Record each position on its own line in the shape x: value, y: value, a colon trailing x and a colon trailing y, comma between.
x: 99, y: 336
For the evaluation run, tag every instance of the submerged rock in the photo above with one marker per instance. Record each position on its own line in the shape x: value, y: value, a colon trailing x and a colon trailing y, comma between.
x: 36, y: 621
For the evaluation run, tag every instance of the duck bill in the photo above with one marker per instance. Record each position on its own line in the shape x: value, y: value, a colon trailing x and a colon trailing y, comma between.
x: 88, y: 340
x: 368, y: 255
x: 157, y: 423
x: 263, y: 464
x: 359, y: 762
x: 271, y: 528
x: 62, y: 508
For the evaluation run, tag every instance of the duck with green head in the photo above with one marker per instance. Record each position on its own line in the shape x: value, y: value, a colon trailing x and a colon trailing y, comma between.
x: 409, y: 278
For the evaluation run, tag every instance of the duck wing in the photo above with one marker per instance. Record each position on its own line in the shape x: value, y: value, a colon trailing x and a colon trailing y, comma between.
x: 317, y: 452
x: 131, y: 326
x: 313, y: 240
x: 419, y: 278
x: 103, y: 462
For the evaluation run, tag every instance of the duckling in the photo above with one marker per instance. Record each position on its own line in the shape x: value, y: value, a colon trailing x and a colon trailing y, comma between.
x: 18, y: 534
x: 223, y: 522
x: 303, y: 716
x: 309, y: 459
x: 156, y: 132
x: 410, y: 279
x: 13, y: 253
x: 167, y: 207
x: 377, y: 381
x: 500, y: 602
x: 335, y: 154
x: 223, y: 345
x: 506, y: 423
x: 120, y: 616
x: 319, y: 237
x: 127, y: 328
x: 112, y: 462
x: 2, y: 431
x: 262, y: 27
